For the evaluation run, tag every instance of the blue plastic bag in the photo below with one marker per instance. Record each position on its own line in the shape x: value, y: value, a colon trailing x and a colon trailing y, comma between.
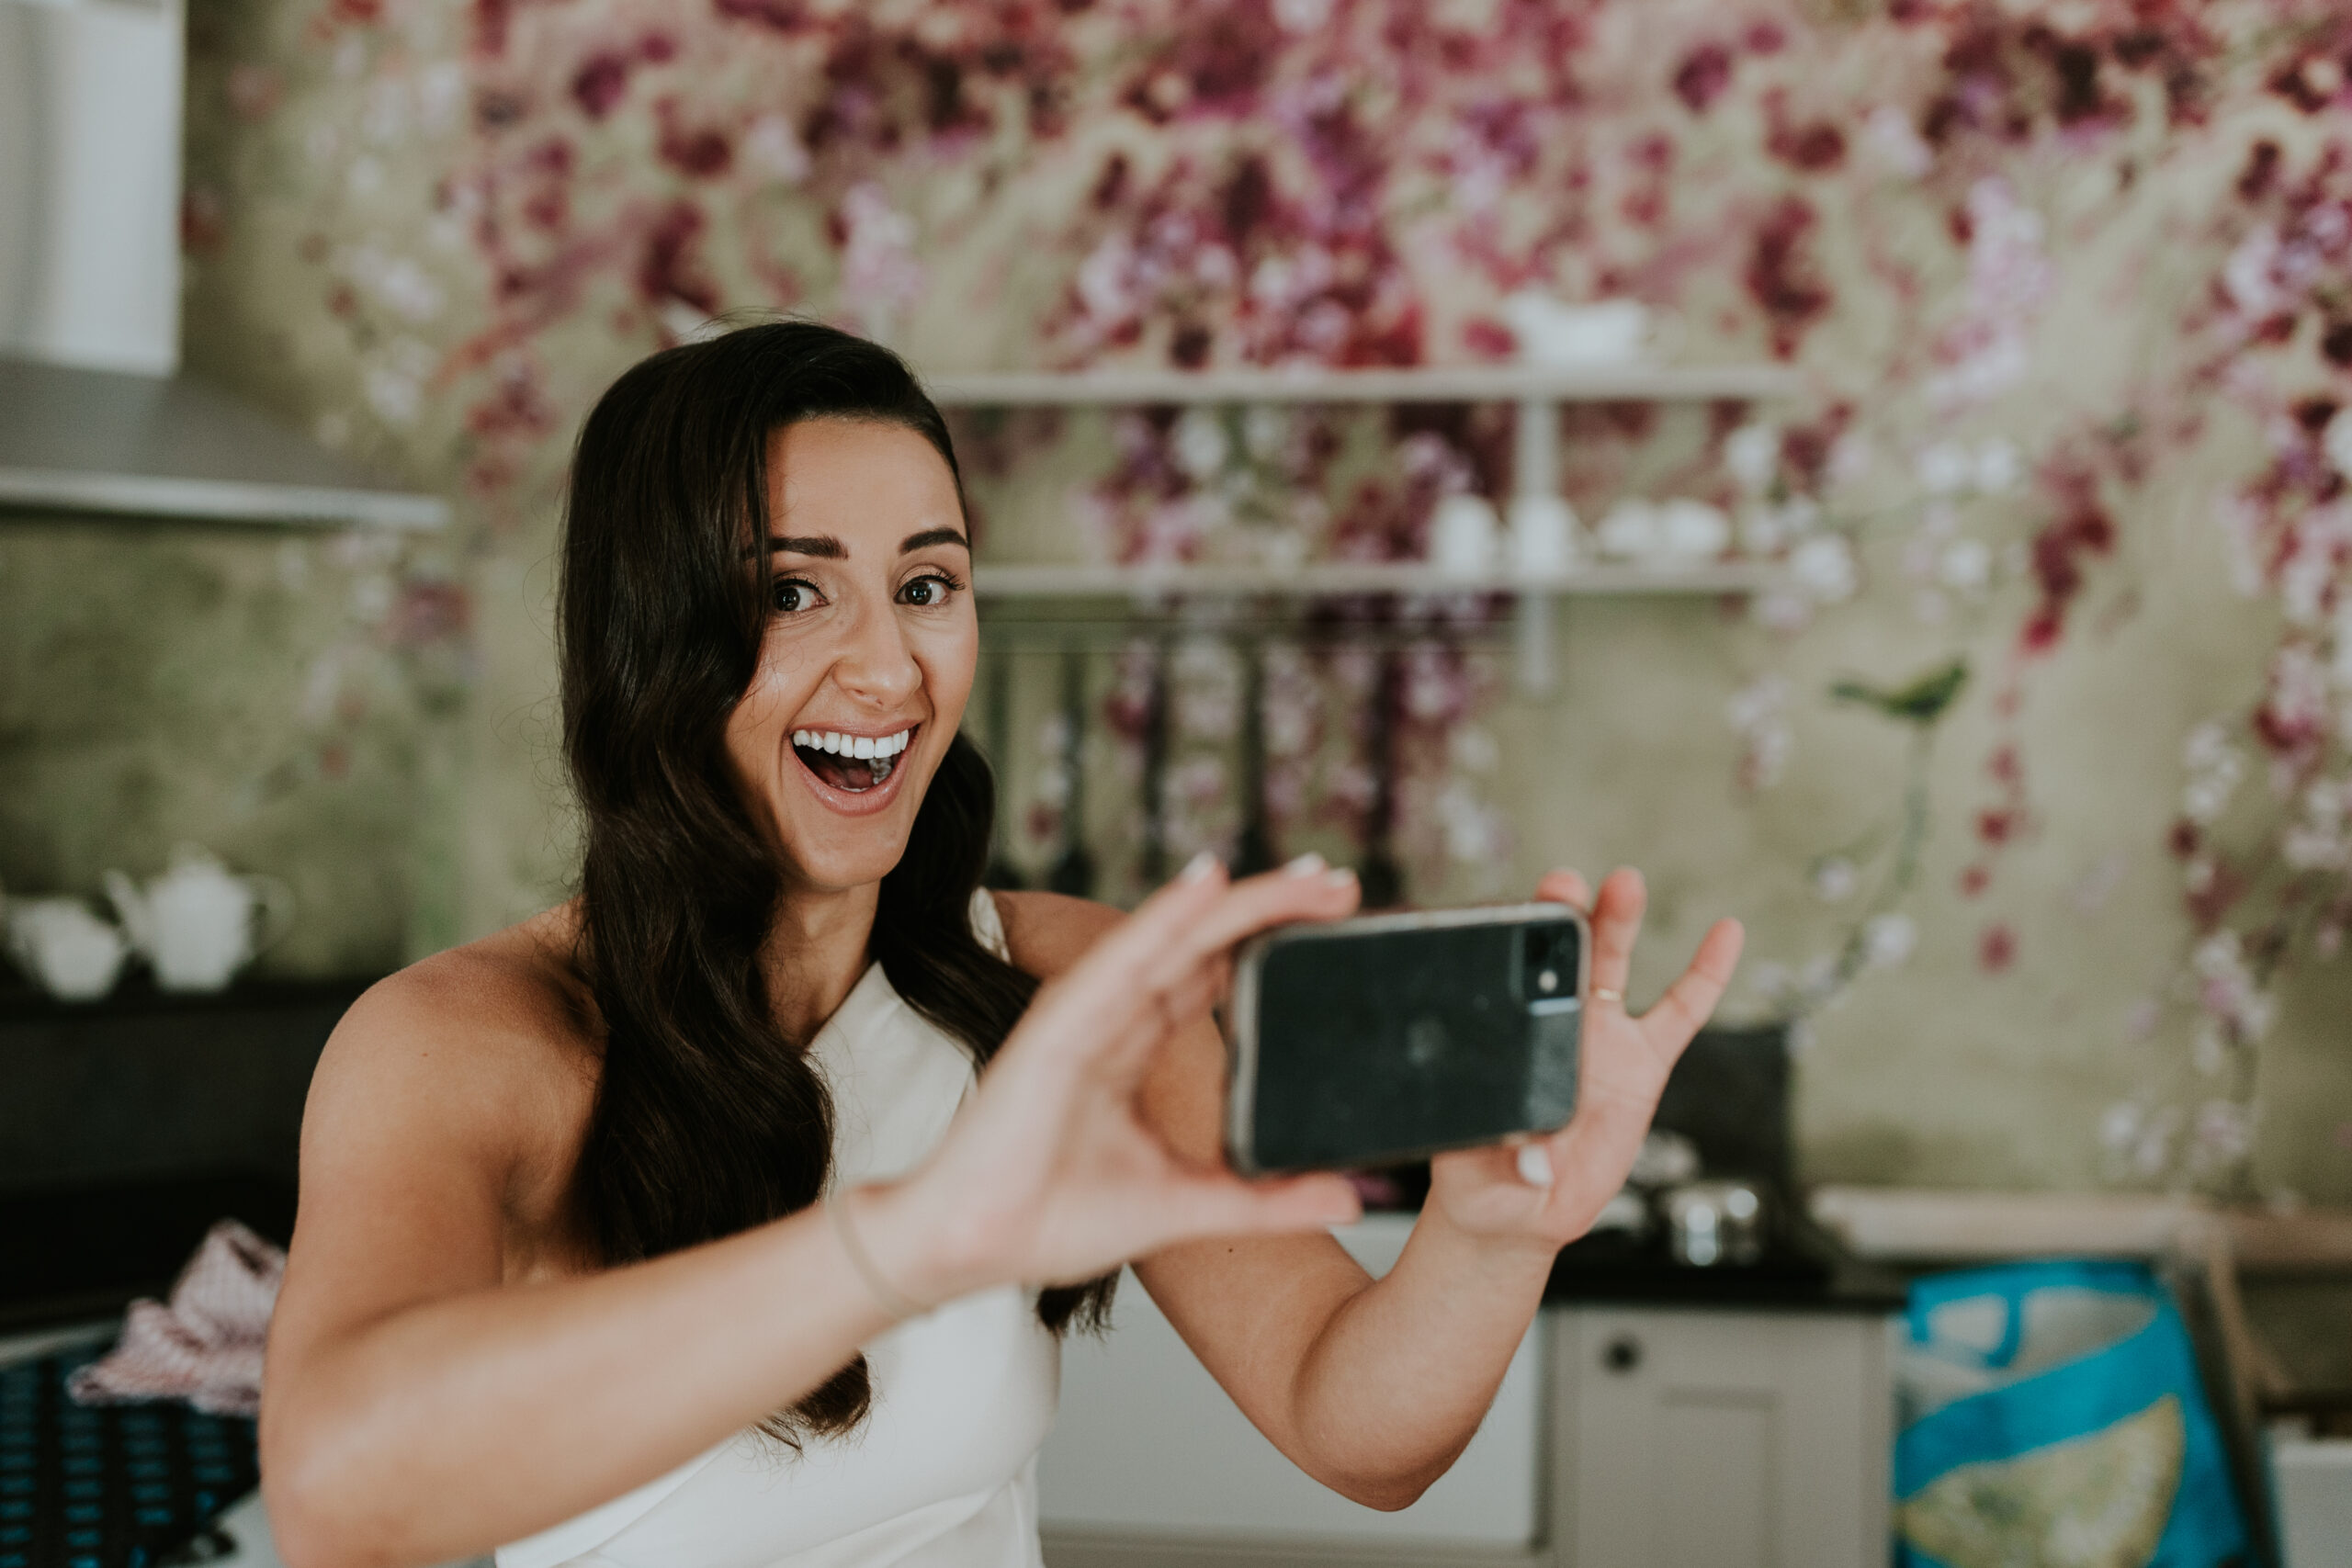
x: 2053, y: 1415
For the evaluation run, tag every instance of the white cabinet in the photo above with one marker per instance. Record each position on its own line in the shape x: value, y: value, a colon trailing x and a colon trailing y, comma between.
x: 1707, y: 1438
x: 1148, y: 1446
x: 1623, y: 1437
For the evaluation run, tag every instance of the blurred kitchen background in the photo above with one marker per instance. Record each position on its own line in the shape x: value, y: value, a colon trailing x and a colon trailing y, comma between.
x: 1951, y: 402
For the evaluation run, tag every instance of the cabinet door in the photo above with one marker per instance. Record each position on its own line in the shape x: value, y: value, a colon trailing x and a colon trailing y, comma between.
x: 1721, y: 1439
x: 1148, y: 1446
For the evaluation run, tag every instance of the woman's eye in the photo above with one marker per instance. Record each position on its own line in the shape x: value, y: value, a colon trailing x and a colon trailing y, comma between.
x: 926, y: 591
x: 789, y: 595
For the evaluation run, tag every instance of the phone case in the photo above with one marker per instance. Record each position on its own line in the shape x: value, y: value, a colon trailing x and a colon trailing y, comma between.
x: 1390, y: 1037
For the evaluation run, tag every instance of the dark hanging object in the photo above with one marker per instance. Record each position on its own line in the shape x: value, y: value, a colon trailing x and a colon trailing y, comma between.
x: 997, y: 716
x: 1253, y: 850
x: 1151, y: 864
x: 1073, y: 868
x: 1381, y: 877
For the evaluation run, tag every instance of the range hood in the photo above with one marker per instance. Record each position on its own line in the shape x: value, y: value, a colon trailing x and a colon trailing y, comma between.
x: 93, y: 416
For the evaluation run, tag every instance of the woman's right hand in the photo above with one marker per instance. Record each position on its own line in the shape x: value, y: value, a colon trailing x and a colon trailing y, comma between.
x: 1050, y: 1175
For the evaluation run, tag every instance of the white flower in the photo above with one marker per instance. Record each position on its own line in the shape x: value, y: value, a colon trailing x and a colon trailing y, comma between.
x: 1824, y: 566
x: 440, y: 92
x: 2209, y: 1052
x: 1966, y: 564
x: 2223, y: 1132
x: 771, y: 147
x: 2246, y: 276
x: 2337, y: 441
x: 2118, y: 1126
x: 2208, y: 746
x: 1946, y: 469
x: 1265, y: 431
x: 1752, y: 453
x: 1474, y: 750
x: 396, y: 396
x: 1898, y: 144
x: 1889, y: 939
x: 2312, y: 848
x: 1199, y: 445
x: 1834, y: 879
x: 1998, y: 469
x: 1758, y: 702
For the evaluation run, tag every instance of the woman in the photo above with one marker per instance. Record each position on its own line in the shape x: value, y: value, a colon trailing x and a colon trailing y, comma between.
x: 675, y: 1226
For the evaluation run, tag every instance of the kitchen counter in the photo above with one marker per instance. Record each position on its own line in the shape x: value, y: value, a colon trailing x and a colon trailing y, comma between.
x: 83, y: 1250
x: 1808, y: 1274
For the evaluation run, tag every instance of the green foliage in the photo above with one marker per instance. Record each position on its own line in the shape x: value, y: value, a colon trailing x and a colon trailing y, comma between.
x: 1921, y: 700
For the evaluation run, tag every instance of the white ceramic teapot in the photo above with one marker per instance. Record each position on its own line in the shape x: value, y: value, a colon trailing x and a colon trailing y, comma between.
x: 199, y: 922
x: 73, y: 952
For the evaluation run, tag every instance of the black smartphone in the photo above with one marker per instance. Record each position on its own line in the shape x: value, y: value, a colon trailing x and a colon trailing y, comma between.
x: 1388, y: 1037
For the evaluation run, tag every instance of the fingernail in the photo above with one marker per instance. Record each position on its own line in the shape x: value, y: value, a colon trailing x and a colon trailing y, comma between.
x: 1199, y: 868
x: 1534, y: 1165
x: 1307, y: 865
x: 1340, y: 877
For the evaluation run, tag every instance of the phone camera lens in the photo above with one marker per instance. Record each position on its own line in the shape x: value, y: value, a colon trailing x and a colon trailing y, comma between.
x: 1547, y: 981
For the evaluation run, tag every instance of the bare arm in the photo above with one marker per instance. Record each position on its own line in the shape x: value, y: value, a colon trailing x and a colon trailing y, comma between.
x: 1374, y: 1388
x: 418, y: 1408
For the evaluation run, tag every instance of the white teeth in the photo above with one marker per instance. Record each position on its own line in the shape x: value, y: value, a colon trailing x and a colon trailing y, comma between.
x: 869, y: 746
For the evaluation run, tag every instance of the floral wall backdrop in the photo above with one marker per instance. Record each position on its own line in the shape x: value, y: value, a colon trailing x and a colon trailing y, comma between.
x: 2033, y: 785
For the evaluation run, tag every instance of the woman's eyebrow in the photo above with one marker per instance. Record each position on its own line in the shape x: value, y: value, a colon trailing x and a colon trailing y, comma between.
x: 933, y: 537
x: 822, y: 546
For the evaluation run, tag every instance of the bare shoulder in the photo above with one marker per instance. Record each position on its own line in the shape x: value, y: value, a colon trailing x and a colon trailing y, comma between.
x: 1047, y: 933
x: 489, y: 1042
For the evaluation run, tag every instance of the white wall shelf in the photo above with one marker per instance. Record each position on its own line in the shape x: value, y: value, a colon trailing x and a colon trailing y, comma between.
x: 1431, y: 384
x: 1334, y: 580
x: 1536, y: 391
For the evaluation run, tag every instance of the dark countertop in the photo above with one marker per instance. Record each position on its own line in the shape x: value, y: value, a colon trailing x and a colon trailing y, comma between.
x: 80, y: 1252
x: 146, y: 1086
x: 1804, y: 1272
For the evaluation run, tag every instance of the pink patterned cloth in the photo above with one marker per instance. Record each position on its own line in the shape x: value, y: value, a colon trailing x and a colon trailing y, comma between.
x: 206, y: 1346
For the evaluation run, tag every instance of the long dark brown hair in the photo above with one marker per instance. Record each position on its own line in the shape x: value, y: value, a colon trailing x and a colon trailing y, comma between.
x: 709, y: 1119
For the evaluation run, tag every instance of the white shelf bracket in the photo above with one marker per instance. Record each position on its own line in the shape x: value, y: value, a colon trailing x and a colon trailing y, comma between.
x: 1535, y: 471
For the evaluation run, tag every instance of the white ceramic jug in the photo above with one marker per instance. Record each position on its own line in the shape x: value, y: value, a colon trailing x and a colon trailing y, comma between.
x: 72, y: 953
x: 199, y: 922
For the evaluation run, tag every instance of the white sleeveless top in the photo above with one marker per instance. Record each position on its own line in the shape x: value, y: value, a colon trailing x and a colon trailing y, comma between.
x: 942, y: 1473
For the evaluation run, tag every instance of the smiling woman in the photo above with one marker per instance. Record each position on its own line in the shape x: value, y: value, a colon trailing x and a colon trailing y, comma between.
x: 729, y: 1211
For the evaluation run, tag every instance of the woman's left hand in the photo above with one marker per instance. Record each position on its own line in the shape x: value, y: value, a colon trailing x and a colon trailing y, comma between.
x: 1485, y: 1192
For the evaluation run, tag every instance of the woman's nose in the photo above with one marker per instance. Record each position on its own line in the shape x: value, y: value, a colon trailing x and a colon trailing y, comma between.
x: 876, y: 668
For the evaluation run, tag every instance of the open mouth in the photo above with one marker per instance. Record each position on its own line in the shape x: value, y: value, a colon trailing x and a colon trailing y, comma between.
x: 851, y: 764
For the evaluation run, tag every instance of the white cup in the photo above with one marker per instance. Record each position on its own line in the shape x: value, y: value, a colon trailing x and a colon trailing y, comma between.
x: 1692, y: 530
x: 1542, y: 536
x: 1607, y: 332
x: 1463, y: 535
x: 72, y: 953
x: 1629, y: 531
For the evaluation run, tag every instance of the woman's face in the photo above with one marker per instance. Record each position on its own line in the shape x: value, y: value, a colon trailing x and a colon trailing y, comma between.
x: 869, y: 650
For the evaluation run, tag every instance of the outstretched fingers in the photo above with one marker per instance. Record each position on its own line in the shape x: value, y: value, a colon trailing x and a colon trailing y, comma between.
x: 1167, y: 962
x: 1616, y: 925
x: 1564, y: 885
x: 1207, y: 1204
x: 1690, y: 1001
